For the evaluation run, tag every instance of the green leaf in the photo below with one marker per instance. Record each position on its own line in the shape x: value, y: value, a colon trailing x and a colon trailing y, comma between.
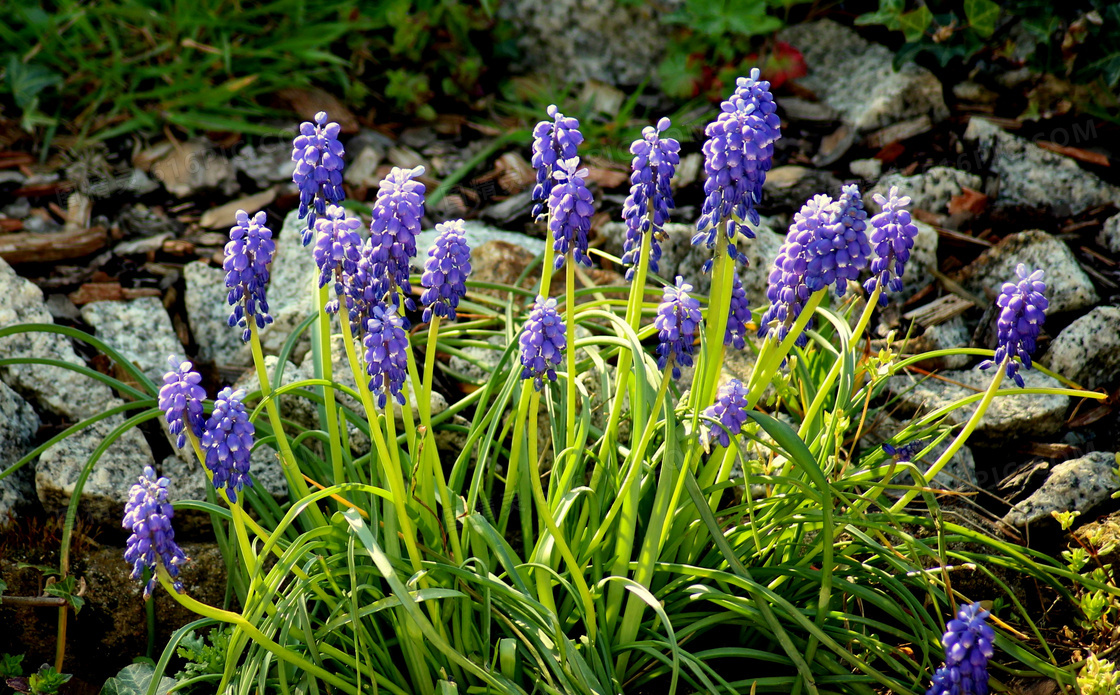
x: 67, y: 589
x: 678, y: 77
x: 26, y: 80
x: 11, y: 665
x: 915, y: 23
x: 3, y: 588
x: 888, y: 13
x: 982, y: 15
x: 135, y: 679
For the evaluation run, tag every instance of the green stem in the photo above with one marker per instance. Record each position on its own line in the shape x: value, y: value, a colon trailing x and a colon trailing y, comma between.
x: 570, y: 316
x: 326, y: 372
x: 425, y: 405
x: 771, y: 356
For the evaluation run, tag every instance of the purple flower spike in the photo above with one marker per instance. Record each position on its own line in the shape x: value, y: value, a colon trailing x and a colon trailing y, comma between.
x: 738, y: 315
x: 905, y: 452
x: 678, y: 317
x: 542, y: 342
x: 570, y: 207
x: 148, y: 515
x: 553, y: 141
x: 729, y: 411
x: 248, y: 255
x: 392, y: 233
x: 318, y: 157
x: 646, y: 210
x: 1022, y: 311
x: 446, y: 271
x: 969, y: 643
x: 386, y: 353
x: 336, y: 249
x: 228, y: 441
x: 892, y: 237
x: 181, y: 398
x: 839, y: 250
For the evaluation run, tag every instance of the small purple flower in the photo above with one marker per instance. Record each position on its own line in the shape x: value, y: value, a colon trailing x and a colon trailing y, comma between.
x: 386, y: 353
x: 969, y: 643
x: 542, y: 342
x: 905, y: 452
x: 678, y: 317
x: 392, y: 233
x: 738, y: 315
x: 148, y: 515
x: 446, y: 271
x: 839, y: 250
x: 729, y: 411
x: 1022, y: 312
x: 248, y: 255
x: 570, y: 207
x: 892, y: 237
x: 360, y: 291
x: 228, y: 442
x: 646, y: 210
x: 180, y: 399
x: 336, y: 248
x: 318, y: 174
x: 553, y: 141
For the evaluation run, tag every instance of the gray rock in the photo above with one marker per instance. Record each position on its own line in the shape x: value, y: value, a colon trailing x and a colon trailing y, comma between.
x: 867, y: 169
x: 1008, y: 417
x: 208, y: 313
x: 292, y: 289
x: 930, y: 190
x: 271, y: 162
x: 194, y: 166
x: 1087, y: 351
x: 857, y: 78
x: 1078, y: 485
x: 18, y: 424
x: 790, y: 186
x: 1067, y: 286
x: 140, y: 329
x: 951, y: 334
x: 479, y: 362
x: 106, y: 489
x: 56, y: 389
x: 477, y: 234
x: 362, y: 171
x: 299, y: 410
x: 923, y: 259
x: 958, y: 474
x: 1109, y: 236
x: 1030, y: 176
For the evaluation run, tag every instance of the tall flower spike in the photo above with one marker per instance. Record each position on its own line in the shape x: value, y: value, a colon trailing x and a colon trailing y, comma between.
x: 738, y: 315
x: 678, y: 317
x: 1022, y: 311
x: 248, y: 255
x: 840, y: 250
x: 392, y: 233
x: 729, y: 411
x: 386, y: 353
x: 180, y: 399
x: 570, y: 207
x: 553, y: 141
x: 446, y: 271
x: 228, y: 442
x: 738, y: 153
x: 318, y: 174
x: 651, y: 196
x: 892, y: 237
x: 336, y: 249
x: 969, y: 643
x: 542, y: 342
x: 147, y: 514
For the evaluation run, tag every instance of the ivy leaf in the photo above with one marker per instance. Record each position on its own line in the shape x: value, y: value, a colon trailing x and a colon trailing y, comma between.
x: 135, y: 679
x: 679, y: 76
x: 68, y: 589
x: 982, y: 16
x: 3, y: 588
x: 915, y: 23
x: 26, y: 80
x: 888, y: 13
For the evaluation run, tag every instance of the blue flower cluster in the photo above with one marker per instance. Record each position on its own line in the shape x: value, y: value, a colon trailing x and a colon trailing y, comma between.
x: 147, y: 514
x: 839, y: 248
x: 678, y: 317
x: 892, y: 237
x: 646, y: 210
x: 392, y: 233
x: 445, y: 271
x: 553, y: 141
x: 318, y: 174
x: 569, y: 212
x: 386, y: 353
x: 905, y: 452
x: 337, y: 249
x: 1022, y: 311
x: 542, y: 342
x: 180, y: 399
x: 790, y: 277
x: 247, y: 257
x: 729, y: 411
x: 738, y: 315
x: 228, y: 442
x: 969, y: 643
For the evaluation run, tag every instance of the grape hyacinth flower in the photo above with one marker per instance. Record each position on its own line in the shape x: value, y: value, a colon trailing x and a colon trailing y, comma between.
x: 678, y: 317
x: 542, y: 342
x: 840, y: 250
x: 336, y: 249
x: 646, y: 210
x: 569, y: 212
x: 905, y: 452
x: 1022, y: 311
x: 791, y: 276
x: 318, y: 174
x: 968, y: 644
x: 248, y: 255
x: 180, y: 399
x: 738, y: 153
x: 729, y: 411
x: 386, y: 353
x: 147, y: 514
x: 445, y: 271
x: 738, y: 315
x: 892, y: 236
x: 228, y: 442
x: 392, y: 233
x: 553, y: 141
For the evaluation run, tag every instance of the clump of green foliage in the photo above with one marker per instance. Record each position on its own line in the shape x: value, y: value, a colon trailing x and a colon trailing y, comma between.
x: 1098, y: 677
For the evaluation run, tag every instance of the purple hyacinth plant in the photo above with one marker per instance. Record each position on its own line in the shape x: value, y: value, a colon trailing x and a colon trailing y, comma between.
x: 228, y: 442
x: 678, y: 318
x: 570, y: 206
x: 738, y: 316
x: 392, y: 233
x: 646, y: 210
x: 337, y: 249
x: 386, y: 353
x: 729, y: 411
x: 318, y: 173
x: 542, y: 342
x: 905, y: 452
x: 892, y: 238
x: 839, y: 250
x: 1022, y: 312
x: 445, y: 271
x: 147, y: 514
x: 180, y: 399
x: 553, y: 141
x: 248, y: 255
x: 969, y: 643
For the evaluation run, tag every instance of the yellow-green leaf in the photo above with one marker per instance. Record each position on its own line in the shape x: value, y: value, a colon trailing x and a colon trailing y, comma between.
x: 915, y: 23
x: 982, y: 15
